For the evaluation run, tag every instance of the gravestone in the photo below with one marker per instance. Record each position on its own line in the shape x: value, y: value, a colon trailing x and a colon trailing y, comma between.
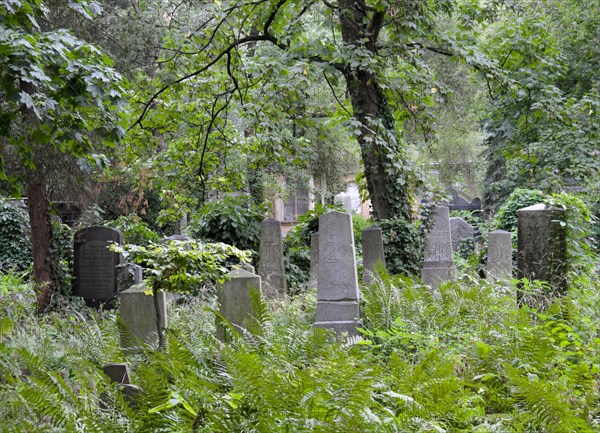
x: 139, y: 316
x: 337, y: 283
x: 128, y: 275
x: 314, y: 260
x: 345, y: 201
x: 270, y: 266
x: 248, y: 267
x: 438, y: 266
x: 542, y: 246
x: 96, y: 266
x: 235, y: 300
x: 461, y: 231
x: 120, y: 374
x: 176, y: 237
x: 499, y: 256
x: 372, y: 244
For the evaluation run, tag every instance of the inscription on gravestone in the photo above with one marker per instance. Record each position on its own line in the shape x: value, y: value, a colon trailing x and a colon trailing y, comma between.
x: 438, y: 265
x: 95, y: 265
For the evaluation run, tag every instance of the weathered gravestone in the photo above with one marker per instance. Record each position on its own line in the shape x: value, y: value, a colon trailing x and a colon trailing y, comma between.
x: 499, y: 256
x: 138, y: 314
x: 314, y: 260
x: 462, y: 231
x: 372, y: 244
x: 96, y: 266
x: 235, y: 300
x: 542, y: 246
x: 345, y: 201
x: 120, y: 374
x: 337, y: 284
x: 128, y: 275
x: 270, y: 266
x: 438, y: 265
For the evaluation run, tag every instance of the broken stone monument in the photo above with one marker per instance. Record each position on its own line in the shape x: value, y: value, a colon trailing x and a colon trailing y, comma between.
x: 120, y: 374
x: 542, y: 246
x: 96, y: 266
x: 270, y: 266
x: 372, y: 245
x: 438, y: 266
x: 337, y: 283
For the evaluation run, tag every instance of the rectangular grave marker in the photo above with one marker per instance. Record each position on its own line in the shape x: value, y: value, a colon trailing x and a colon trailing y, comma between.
x: 438, y: 266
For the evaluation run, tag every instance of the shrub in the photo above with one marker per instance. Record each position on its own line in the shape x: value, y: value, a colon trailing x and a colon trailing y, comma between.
x: 135, y: 231
x: 15, y: 253
x: 506, y: 218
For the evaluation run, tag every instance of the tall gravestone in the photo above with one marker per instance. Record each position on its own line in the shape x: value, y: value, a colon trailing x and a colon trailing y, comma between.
x: 438, y: 265
x: 270, y: 266
x: 542, y: 245
x: 372, y: 244
x: 314, y: 260
x: 138, y: 314
x: 235, y: 300
x: 461, y: 231
x: 337, y: 284
x: 499, y: 256
x: 96, y: 266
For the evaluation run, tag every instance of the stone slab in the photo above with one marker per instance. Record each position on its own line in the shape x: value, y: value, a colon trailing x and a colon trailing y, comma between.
x: 372, y: 245
x: 270, y: 266
x: 139, y: 316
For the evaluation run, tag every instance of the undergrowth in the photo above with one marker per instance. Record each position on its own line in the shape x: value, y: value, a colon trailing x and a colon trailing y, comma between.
x: 463, y: 359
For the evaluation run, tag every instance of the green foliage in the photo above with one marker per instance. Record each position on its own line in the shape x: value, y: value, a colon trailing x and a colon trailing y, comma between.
x: 14, y: 237
x: 62, y: 257
x: 403, y: 243
x: 232, y: 220
x: 506, y: 218
x: 135, y: 231
x: 183, y: 266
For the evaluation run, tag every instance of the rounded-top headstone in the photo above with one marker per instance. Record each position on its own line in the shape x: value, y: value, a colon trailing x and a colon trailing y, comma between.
x: 96, y: 266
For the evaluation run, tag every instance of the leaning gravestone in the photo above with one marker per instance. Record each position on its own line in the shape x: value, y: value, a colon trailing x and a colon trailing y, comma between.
x: 235, y: 300
x: 138, y: 314
x: 372, y: 243
x: 314, y: 260
x: 270, y: 266
x: 542, y: 246
x: 96, y: 266
x: 499, y: 256
x: 461, y: 231
x: 438, y: 265
x: 120, y: 374
x: 337, y: 286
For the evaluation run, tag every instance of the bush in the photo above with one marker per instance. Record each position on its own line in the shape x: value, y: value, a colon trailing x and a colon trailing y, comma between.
x: 233, y: 220
x: 135, y: 231
x: 15, y: 253
x: 506, y: 218
x: 403, y: 242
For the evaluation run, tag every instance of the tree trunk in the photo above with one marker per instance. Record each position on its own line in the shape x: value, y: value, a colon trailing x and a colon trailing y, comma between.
x: 359, y: 29
x: 38, y: 205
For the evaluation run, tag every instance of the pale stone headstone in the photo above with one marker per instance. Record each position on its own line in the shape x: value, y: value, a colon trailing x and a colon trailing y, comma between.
x: 248, y: 267
x: 461, y: 231
x: 314, y: 260
x: 372, y: 245
x: 270, y: 266
x: 176, y: 237
x: 96, y: 266
x: 345, y: 201
x: 499, y: 256
x: 139, y: 316
x: 542, y: 245
x: 438, y: 266
x: 235, y: 300
x: 337, y: 287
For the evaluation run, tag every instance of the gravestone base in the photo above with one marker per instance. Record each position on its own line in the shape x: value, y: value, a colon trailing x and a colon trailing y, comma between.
x: 435, y: 273
x: 340, y: 327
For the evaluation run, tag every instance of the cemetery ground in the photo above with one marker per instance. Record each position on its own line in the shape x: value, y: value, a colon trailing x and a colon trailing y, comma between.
x: 464, y: 358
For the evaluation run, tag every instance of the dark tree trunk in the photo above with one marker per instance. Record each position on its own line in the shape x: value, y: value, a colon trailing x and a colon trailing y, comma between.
x: 360, y: 28
x: 38, y: 204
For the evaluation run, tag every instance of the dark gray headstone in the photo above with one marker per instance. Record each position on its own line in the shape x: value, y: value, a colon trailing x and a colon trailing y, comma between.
x: 270, y: 266
x: 96, y: 266
x: 372, y: 244
x: 128, y: 275
x: 235, y: 301
x: 461, y: 231
x: 499, y: 256
x: 337, y: 287
x: 438, y: 266
x: 138, y: 313
x: 542, y: 245
x: 120, y: 374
